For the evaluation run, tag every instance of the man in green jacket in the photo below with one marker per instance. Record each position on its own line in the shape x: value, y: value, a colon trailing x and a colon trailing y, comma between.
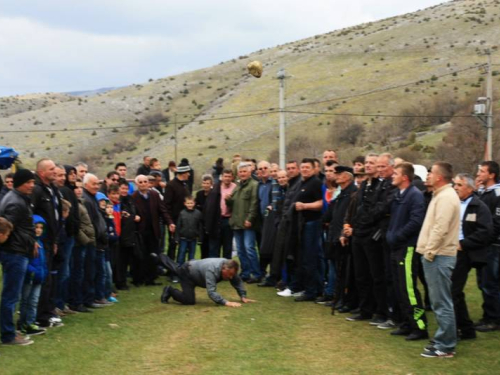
x: 244, y: 205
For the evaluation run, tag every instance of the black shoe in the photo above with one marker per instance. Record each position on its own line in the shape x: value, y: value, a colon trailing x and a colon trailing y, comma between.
x: 304, y: 298
x: 417, y: 335
x: 357, y: 310
x: 344, y: 309
x: 377, y: 320
x: 254, y: 280
x: 80, y: 308
x: 324, y: 299
x: 165, y: 296
x: 487, y: 327
x: 357, y: 318
x: 267, y: 283
x: 401, y: 332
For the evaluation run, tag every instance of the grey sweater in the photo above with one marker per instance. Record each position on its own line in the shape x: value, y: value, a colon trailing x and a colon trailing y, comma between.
x: 206, y: 273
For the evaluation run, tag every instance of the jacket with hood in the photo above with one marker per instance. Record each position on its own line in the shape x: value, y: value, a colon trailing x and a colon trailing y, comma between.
x: 37, y: 267
x: 101, y: 235
x: 86, y: 231
x: 67, y: 191
x: 491, y: 197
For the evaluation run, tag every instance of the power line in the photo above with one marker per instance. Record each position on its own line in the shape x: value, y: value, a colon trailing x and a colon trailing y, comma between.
x: 378, y: 115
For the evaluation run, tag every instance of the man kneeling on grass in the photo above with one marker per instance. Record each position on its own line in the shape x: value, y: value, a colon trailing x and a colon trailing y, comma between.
x: 204, y: 273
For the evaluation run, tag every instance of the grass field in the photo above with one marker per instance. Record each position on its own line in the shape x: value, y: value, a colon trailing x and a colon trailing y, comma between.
x: 276, y: 335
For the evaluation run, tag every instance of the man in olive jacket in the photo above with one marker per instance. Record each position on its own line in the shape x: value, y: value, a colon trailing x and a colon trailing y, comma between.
x: 244, y: 204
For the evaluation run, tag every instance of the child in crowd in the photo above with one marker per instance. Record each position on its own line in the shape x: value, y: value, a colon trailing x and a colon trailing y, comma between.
x: 189, y: 228
x: 35, y: 276
x: 101, y: 269
x: 110, y: 251
x: 6, y: 228
x: 114, y: 247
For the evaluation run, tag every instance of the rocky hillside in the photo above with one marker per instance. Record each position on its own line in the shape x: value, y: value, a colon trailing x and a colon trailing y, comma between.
x: 369, y: 70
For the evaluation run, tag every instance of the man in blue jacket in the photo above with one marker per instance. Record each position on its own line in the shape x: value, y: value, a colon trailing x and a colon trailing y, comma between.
x: 407, y: 215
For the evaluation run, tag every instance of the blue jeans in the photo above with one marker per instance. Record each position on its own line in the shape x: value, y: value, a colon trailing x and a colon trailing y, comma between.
x: 77, y: 275
x: 108, y: 282
x: 245, y: 242
x: 225, y: 240
x: 100, y: 274
x: 186, y: 246
x: 14, y: 270
x: 438, y: 277
x: 29, y: 302
x: 488, y: 279
x: 89, y: 279
x: 64, y: 272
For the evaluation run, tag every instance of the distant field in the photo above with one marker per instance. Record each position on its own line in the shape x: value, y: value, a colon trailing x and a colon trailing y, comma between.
x: 139, y: 335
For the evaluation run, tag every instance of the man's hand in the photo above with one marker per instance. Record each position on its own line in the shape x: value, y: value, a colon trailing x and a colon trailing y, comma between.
x: 233, y: 304
x: 247, y: 300
x: 137, y: 218
x: 247, y: 224
x: 344, y: 241
x: 299, y: 206
x: 459, y: 247
x: 171, y: 228
x: 55, y: 249
x: 347, y: 231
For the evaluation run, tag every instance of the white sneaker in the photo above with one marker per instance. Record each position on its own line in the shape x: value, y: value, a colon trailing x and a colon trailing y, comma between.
x: 299, y: 294
x: 55, y: 320
x: 285, y: 293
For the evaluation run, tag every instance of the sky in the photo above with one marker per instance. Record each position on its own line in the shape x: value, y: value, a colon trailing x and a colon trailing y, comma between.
x: 63, y: 46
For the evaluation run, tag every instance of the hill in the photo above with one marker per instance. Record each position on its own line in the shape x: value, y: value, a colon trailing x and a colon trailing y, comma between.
x: 403, y: 63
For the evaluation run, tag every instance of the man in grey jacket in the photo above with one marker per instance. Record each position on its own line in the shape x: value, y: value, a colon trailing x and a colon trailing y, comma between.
x: 204, y: 273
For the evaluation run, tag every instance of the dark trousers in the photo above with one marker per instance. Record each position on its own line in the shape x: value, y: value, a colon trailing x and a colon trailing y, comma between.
x: 205, y: 247
x: 123, y: 262
x: 393, y: 302
x: 310, y: 248
x: 186, y: 296
x: 458, y: 281
x: 89, y: 278
x: 172, y: 246
x: 46, y: 303
x: 77, y: 276
x: 369, y: 272
x: 404, y: 266
x: 149, y: 270
x: 488, y: 280
x: 225, y: 240
x: 345, y: 283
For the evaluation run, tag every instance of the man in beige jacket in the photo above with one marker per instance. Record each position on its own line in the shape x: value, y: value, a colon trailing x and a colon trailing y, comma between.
x: 438, y: 244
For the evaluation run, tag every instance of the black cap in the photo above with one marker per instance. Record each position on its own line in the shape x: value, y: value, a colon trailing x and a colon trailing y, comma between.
x: 343, y: 168
x: 22, y: 176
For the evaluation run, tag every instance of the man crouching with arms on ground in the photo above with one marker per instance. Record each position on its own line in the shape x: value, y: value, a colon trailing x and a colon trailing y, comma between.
x: 204, y: 273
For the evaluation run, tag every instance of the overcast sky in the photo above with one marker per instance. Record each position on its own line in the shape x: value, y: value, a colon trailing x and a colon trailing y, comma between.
x: 66, y: 45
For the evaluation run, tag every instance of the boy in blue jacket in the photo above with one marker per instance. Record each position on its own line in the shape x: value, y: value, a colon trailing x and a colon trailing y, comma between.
x: 35, y: 276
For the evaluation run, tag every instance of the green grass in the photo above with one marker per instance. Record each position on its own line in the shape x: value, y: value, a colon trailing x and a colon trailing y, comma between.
x: 139, y: 335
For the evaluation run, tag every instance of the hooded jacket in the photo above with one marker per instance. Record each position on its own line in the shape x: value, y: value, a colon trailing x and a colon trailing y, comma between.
x: 67, y: 191
x: 86, y: 231
x: 491, y: 197
x: 37, y: 267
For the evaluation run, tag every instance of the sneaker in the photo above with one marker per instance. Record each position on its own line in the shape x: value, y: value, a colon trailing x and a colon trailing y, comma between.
x: 33, y: 330
x: 112, y: 299
x: 57, y: 311
x: 19, y: 340
x: 417, y: 335
x: 55, y: 319
x: 175, y: 279
x: 388, y: 324
x: 437, y: 354
x: 285, y: 293
x: 103, y: 302
x: 304, y: 298
x: 356, y: 318
x: 94, y: 305
x: 299, y: 294
x: 56, y: 324
x: 377, y: 320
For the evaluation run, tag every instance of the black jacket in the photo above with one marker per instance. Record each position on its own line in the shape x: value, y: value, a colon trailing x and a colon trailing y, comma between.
x: 128, y: 225
x: 3, y: 192
x: 491, y: 197
x: 16, y: 208
x: 363, y: 221
x: 189, y: 226
x: 211, y: 213
x: 477, y: 226
x: 46, y: 204
x: 101, y: 235
x: 175, y: 192
x: 336, y: 212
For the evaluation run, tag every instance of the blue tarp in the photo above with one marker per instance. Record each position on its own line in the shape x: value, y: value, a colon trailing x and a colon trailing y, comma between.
x: 7, y: 157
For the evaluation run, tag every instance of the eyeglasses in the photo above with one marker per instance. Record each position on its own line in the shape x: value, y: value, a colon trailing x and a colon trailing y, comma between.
x: 114, y: 179
x: 260, y: 169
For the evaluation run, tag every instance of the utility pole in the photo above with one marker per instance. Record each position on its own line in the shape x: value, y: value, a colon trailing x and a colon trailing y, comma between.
x: 175, y: 137
x: 489, y: 118
x: 282, y: 150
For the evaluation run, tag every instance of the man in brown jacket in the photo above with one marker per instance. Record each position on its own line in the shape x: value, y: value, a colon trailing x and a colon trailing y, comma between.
x: 438, y: 243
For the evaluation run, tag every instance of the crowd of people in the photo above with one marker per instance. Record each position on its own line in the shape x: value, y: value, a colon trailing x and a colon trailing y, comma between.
x: 356, y: 238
